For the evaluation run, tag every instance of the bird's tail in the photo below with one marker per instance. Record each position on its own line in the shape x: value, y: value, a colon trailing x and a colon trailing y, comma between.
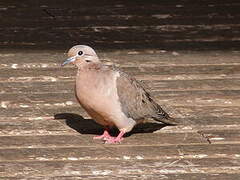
x: 162, y: 116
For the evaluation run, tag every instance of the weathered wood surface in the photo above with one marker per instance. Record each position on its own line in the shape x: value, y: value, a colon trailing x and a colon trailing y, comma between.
x: 44, y: 134
x: 181, y: 24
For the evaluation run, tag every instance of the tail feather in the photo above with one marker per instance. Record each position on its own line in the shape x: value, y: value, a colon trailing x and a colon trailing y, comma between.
x: 162, y: 116
x: 166, y: 119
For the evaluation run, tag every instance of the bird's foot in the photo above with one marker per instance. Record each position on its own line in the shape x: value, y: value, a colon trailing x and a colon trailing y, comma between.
x: 115, y: 140
x: 104, y: 136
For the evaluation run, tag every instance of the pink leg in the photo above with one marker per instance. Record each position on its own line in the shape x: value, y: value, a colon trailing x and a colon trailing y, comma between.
x: 104, y: 136
x: 117, y: 139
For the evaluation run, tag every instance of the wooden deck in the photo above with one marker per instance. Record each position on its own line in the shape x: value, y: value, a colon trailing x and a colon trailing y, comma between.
x: 188, y: 55
x: 202, y: 90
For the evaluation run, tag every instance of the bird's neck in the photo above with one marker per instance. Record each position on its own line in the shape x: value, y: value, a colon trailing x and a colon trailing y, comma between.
x: 90, y: 66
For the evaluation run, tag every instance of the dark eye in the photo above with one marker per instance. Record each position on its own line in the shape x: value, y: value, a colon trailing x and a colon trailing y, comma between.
x: 80, y: 53
x: 88, y: 61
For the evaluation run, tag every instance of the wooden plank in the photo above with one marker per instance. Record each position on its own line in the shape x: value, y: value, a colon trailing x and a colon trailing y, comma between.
x: 116, y: 152
x: 201, y: 88
x: 46, y: 78
x: 153, y: 19
x: 221, y: 136
x: 33, y: 127
x: 75, y: 139
x: 173, y: 13
x: 193, y: 176
x: 119, y: 168
x: 53, y: 58
x: 193, y: 113
x: 99, y: 152
x: 226, y: 98
x: 157, y: 70
x: 83, y: 34
x: 206, y: 122
x: 164, y: 33
x: 39, y: 112
x: 173, y: 98
x: 216, y: 150
x: 41, y: 141
x: 201, y: 85
x: 202, y: 128
x: 47, y: 126
x: 174, y: 60
x: 205, y: 25
x: 123, y: 6
x: 222, y: 87
x: 206, y: 111
x: 210, y: 99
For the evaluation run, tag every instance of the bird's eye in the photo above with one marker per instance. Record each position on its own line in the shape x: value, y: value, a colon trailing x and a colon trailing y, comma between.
x: 80, y: 53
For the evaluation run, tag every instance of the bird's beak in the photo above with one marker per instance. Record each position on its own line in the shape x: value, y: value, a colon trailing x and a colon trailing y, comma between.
x: 69, y: 60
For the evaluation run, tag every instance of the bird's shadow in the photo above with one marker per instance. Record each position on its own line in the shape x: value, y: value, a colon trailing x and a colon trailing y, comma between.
x: 89, y: 126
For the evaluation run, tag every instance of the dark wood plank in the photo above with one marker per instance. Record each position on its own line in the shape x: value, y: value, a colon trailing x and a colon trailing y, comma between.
x: 181, y: 24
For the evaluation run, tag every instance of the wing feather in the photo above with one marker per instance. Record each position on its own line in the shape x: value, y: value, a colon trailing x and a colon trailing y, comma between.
x: 136, y: 102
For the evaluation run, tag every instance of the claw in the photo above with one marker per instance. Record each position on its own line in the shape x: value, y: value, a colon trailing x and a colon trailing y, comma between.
x: 115, y: 140
x: 104, y: 136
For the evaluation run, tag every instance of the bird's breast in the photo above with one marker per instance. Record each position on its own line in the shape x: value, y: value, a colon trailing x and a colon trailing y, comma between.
x: 96, y: 91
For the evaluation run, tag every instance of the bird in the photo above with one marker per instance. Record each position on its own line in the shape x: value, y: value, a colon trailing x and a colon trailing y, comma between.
x: 110, y: 96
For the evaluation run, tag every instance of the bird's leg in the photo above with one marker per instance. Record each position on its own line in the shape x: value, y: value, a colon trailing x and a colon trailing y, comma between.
x: 104, y: 136
x: 117, y: 139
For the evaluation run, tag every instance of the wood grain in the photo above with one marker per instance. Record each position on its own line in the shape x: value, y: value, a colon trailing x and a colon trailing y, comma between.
x: 45, y: 134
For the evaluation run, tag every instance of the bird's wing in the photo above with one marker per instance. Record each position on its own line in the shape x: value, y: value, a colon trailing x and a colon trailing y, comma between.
x: 136, y: 102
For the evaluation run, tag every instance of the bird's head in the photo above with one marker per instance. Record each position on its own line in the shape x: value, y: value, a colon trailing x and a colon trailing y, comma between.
x: 81, y: 55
